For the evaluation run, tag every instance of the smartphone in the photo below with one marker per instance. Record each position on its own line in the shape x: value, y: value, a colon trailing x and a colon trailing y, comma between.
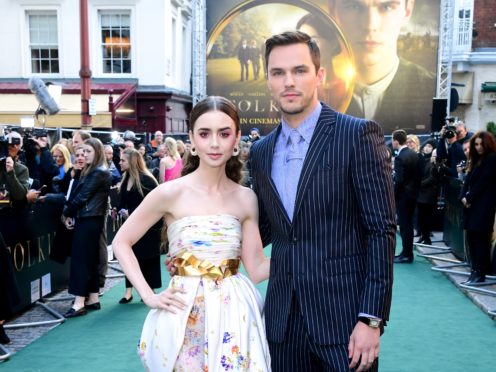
x: 41, y: 188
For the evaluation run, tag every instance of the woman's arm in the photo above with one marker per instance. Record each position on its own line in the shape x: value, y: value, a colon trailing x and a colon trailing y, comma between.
x: 256, y: 264
x: 152, y: 209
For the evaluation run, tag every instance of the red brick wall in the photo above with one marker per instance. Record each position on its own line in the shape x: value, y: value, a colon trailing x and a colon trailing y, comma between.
x: 484, y: 23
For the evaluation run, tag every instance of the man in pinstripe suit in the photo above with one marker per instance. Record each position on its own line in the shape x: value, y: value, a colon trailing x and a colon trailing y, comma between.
x: 327, y: 206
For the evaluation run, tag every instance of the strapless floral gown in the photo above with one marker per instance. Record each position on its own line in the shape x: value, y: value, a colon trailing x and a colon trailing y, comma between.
x: 222, y: 328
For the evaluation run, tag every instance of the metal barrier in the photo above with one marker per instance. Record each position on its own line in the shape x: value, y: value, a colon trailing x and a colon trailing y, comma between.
x: 115, y: 268
x: 59, y: 318
x: 476, y: 287
x: 5, y: 353
x: 440, y: 250
x: 465, y: 271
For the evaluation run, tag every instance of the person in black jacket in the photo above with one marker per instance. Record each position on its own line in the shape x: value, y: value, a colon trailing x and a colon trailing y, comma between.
x: 244, y: 58
x: 86, y: 211
x: 40, y: 162
x: 479, y: 199
x: 427, y: 196
x: 406, y: 185
x: 137, y: 183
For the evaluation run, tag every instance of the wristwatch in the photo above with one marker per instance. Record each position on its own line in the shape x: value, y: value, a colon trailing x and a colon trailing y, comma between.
x: 371, y: 322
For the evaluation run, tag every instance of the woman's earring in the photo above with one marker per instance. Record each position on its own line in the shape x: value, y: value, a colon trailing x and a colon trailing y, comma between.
x: 193, y: 151
x: 236, y: 151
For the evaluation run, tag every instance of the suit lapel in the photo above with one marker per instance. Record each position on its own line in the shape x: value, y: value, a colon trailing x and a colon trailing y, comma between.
x: 321, y: 139
x: 271, y: 143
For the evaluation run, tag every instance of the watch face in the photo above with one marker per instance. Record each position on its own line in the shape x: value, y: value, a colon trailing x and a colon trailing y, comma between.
x: 375, y: 323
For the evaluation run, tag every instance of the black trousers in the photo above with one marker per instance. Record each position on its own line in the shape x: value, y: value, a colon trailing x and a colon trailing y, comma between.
x: 425, y: 219
x: 479, y: 247
x: 84, y: 277
x: 405, y: 207
x: 298, y: 353
x: 150, y: 267
x: 244, y: 70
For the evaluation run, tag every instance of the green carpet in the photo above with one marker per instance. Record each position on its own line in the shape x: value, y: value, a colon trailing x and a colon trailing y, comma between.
x: 433, y: 327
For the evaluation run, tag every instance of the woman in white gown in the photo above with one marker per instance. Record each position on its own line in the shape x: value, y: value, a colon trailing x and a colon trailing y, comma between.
x: 210, y: 316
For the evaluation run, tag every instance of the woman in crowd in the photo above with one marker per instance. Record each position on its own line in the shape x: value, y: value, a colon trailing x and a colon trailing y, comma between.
x: 479, y: 200
x: 427, y: 196
x: 86, y: 211
x: 171, y: 164
x: 136, y: 184
x: 146, y: 158
x: 63, y: 191
x: 210, y: 316
x: 181, y: 148
x: 62, y: 158
x: 413, y: 142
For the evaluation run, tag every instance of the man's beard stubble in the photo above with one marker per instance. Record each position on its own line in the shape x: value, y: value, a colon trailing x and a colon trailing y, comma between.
x: 297, y: 110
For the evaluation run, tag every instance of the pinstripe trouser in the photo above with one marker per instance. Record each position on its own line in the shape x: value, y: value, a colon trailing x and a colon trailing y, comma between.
x: 298, y: 353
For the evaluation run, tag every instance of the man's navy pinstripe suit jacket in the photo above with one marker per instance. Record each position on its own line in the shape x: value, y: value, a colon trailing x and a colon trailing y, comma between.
x: 336, y: 256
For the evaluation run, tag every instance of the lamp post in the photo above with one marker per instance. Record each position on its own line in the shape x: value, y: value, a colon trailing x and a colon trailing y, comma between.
x: 85, y: 71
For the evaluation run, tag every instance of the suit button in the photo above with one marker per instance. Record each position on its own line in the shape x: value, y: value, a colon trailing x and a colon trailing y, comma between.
x: 295, y: 239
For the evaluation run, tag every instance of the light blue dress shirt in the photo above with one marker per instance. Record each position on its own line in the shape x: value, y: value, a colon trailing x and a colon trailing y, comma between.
x: 288, y: 158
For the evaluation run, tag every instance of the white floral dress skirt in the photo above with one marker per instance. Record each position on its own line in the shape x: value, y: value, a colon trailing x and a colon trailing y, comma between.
x: 222, y: 328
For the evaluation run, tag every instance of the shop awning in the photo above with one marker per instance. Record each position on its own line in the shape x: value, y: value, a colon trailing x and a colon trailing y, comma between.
x: 16, y: 102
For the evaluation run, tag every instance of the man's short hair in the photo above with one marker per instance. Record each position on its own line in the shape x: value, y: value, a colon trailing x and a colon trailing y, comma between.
x: 290, y: 38
x: 400, y: 136
x: 82, y: 133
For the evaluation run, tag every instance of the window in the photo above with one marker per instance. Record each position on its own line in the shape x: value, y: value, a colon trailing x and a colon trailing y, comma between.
x: 43, y: 43
x: 463, y: 26
x: 116, y: 42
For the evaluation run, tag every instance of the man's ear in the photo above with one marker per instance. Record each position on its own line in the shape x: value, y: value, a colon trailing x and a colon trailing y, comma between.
x: 321, y: 75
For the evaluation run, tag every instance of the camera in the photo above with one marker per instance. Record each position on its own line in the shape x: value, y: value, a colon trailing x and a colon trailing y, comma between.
x: 4, y: 145
x: 462, y: 166
x: 449, y: 131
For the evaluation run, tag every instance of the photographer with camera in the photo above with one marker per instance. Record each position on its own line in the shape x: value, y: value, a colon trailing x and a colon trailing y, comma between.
x: 14, y: 183
x: 39, y: 159
x: 449, y: 149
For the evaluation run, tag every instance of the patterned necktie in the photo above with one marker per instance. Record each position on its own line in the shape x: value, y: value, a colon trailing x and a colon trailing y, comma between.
x: 294, y: 163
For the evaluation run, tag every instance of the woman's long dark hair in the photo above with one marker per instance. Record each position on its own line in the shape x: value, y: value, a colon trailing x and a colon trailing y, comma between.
x: 489, y: 145
x: 209, y: 104
x: 99, y: 158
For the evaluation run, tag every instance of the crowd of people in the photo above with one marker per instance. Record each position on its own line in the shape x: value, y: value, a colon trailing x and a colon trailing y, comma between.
x: 78, y: 173
x: 421, y: 170
x: 321, y: 190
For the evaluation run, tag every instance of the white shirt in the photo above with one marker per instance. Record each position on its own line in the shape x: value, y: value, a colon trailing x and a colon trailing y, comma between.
x: 369, y: 97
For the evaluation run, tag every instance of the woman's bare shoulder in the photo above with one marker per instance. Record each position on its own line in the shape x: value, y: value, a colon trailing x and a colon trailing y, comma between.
x: 246, y: 200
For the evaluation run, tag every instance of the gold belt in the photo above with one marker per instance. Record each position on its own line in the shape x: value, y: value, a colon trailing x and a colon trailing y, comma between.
x: 188, y: 265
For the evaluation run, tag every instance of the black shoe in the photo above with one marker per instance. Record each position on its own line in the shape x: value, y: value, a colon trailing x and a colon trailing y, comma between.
x: 403, y: 259
x: 71, y: 313
x: 4, y: 339
x: 125, y: 300
x: 427, y: 241
x: 93, y: 306
x: 475, y: 277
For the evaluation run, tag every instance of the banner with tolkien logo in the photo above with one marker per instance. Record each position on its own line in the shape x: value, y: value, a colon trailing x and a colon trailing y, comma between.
x: 41, y: 258
x: 380, y: 58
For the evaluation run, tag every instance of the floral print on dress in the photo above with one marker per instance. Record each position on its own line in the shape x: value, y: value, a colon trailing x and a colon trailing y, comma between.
x: 223, y: 329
